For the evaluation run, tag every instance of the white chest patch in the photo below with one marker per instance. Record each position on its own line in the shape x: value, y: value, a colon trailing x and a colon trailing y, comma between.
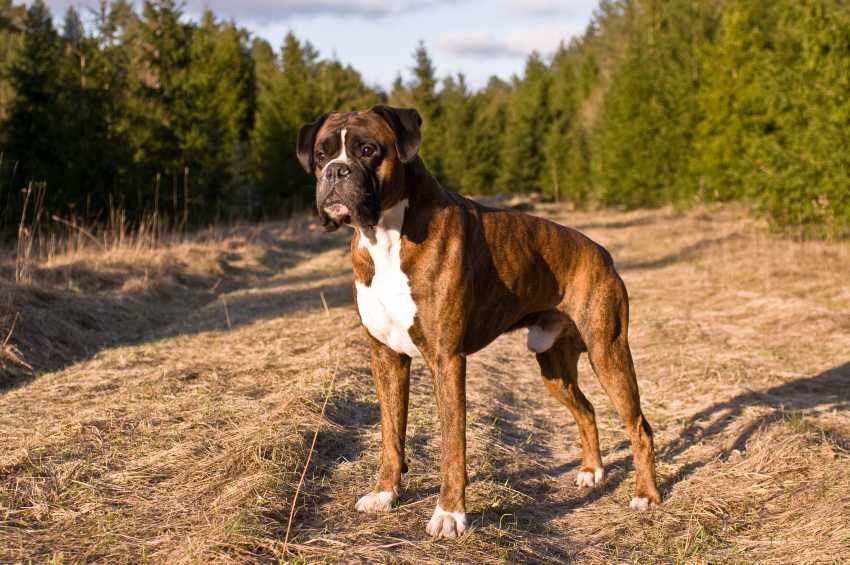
x: 386, y: 306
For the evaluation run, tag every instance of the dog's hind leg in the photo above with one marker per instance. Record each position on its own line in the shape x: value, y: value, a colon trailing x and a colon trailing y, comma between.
x: 391, y: 372
x: 611, y: 359
x: 559, y: 368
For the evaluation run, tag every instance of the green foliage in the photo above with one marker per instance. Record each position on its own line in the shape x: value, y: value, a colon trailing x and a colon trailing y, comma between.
x: 658, y: 102
x: 33, y: 126
x: 457, y: 122
x: 522, y: 159
x: 776, y: 109
x: 644, y: 137
x: 151, y: 112
x: 218, y: 93
x: 732, y: 101
x: 11, y: 22
x: 83, y: 136
x: 158, y: 107
x: 421, y: 93
x: 563, y: 136
x: 285, y: 101
x: 485, y: 137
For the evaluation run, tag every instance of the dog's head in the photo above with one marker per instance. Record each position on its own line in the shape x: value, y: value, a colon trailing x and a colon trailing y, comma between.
x: 358, y: 159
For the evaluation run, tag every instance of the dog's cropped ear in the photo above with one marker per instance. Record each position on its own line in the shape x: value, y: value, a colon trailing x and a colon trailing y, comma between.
x: 306, y: 141
x: 405, y: 123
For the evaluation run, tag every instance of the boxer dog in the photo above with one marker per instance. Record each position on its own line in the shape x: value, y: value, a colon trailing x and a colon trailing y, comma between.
x: 438, y: 276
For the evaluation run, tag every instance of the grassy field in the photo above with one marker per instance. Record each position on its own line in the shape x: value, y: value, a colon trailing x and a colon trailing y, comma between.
x: 157, y: 405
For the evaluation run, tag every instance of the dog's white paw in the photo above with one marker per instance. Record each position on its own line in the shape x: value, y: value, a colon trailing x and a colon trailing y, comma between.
x: 446, y: 524
x: 376, y: 502
x: 588, y: 478
x: 640, y: 503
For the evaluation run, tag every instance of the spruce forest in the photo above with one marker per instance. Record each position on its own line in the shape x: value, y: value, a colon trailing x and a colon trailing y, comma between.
x: 659, y: 102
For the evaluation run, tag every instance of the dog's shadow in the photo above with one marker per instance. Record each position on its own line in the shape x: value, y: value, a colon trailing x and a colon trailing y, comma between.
x: 529, y: 517
x: 830, y: 389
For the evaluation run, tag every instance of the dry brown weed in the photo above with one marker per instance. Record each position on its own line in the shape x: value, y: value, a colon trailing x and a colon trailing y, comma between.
x: 157, y: 428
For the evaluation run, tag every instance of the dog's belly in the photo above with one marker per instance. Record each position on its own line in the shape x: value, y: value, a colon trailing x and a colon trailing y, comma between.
x: 387, y: 310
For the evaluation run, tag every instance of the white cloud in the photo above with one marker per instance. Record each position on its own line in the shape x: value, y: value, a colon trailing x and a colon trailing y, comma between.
x: 571, y: 8
x: 253, y: 10
x: 263, y: 11
x: 517, y: 44
x: 477, y: 45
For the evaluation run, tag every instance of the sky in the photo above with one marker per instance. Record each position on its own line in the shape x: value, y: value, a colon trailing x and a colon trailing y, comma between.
x: 479, y: 38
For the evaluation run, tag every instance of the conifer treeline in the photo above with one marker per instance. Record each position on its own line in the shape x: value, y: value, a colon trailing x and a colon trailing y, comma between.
x: 145, y: 111
x: 660, y: 101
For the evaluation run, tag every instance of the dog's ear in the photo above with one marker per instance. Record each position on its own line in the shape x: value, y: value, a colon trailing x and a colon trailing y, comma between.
x: 306, y: 141
x: 405, y: 123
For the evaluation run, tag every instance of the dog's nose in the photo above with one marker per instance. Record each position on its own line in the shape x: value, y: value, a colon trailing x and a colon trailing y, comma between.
x: 337, y: 171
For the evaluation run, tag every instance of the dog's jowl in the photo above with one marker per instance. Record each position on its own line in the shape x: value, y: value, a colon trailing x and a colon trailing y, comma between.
x: 439, y: 276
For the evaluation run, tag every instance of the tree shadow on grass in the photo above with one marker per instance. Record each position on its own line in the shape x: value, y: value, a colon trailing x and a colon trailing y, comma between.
x: 639, y: 221
x: 687, y: 253
x: 828, y: 390
x: 56, y: 327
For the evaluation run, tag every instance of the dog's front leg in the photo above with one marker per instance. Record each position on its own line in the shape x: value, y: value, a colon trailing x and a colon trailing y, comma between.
x: 391, y: 372
x: 449, y: 518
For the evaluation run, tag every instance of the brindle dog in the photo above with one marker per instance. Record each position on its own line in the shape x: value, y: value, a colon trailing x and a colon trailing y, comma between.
x: 439, y: 276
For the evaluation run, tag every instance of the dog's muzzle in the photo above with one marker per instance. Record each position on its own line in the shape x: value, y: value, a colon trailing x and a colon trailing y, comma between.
x: 338, y: 213
x: 346, y: 196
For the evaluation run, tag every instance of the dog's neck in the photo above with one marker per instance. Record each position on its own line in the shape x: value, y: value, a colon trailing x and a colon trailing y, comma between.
x: 422, y: 193
x: 422, y: 187
x: 388, y: 229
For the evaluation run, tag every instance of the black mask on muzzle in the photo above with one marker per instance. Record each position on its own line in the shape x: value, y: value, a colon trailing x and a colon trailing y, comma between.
x: 349, y: 198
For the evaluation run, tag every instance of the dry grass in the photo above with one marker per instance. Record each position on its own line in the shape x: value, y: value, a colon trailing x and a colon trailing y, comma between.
x: 162, y: 428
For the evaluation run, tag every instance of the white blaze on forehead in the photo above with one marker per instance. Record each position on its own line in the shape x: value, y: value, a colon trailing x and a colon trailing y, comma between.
x: 343, y: 156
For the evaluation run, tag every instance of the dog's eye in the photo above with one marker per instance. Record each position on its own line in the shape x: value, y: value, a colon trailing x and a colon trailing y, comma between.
x: 320, y: 156
x: 367, y: 151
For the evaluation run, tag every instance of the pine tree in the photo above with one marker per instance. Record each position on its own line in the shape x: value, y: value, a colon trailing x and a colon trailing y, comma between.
x: 815, y: 147
x: 218, y: 99
x: 265, y: 63
x: 112, y: 77
x: 34, y: 122
x: 398, y: 93
x: 421, y: 93
x: 484, y: 143
x: 455, y: 126
x: 157, y: 108
x: 733, y: 102
x: 289, y: 102
x: 341, y: 87
x: 558, y: 141
x: 11, y: 20
x: 800, y: 152
x: 644, y: 136
x: 522, y: 161
x: 84, y: 140
x: 72, y: 28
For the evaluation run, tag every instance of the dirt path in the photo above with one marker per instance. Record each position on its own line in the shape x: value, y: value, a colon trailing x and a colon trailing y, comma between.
x: 186, y: 444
